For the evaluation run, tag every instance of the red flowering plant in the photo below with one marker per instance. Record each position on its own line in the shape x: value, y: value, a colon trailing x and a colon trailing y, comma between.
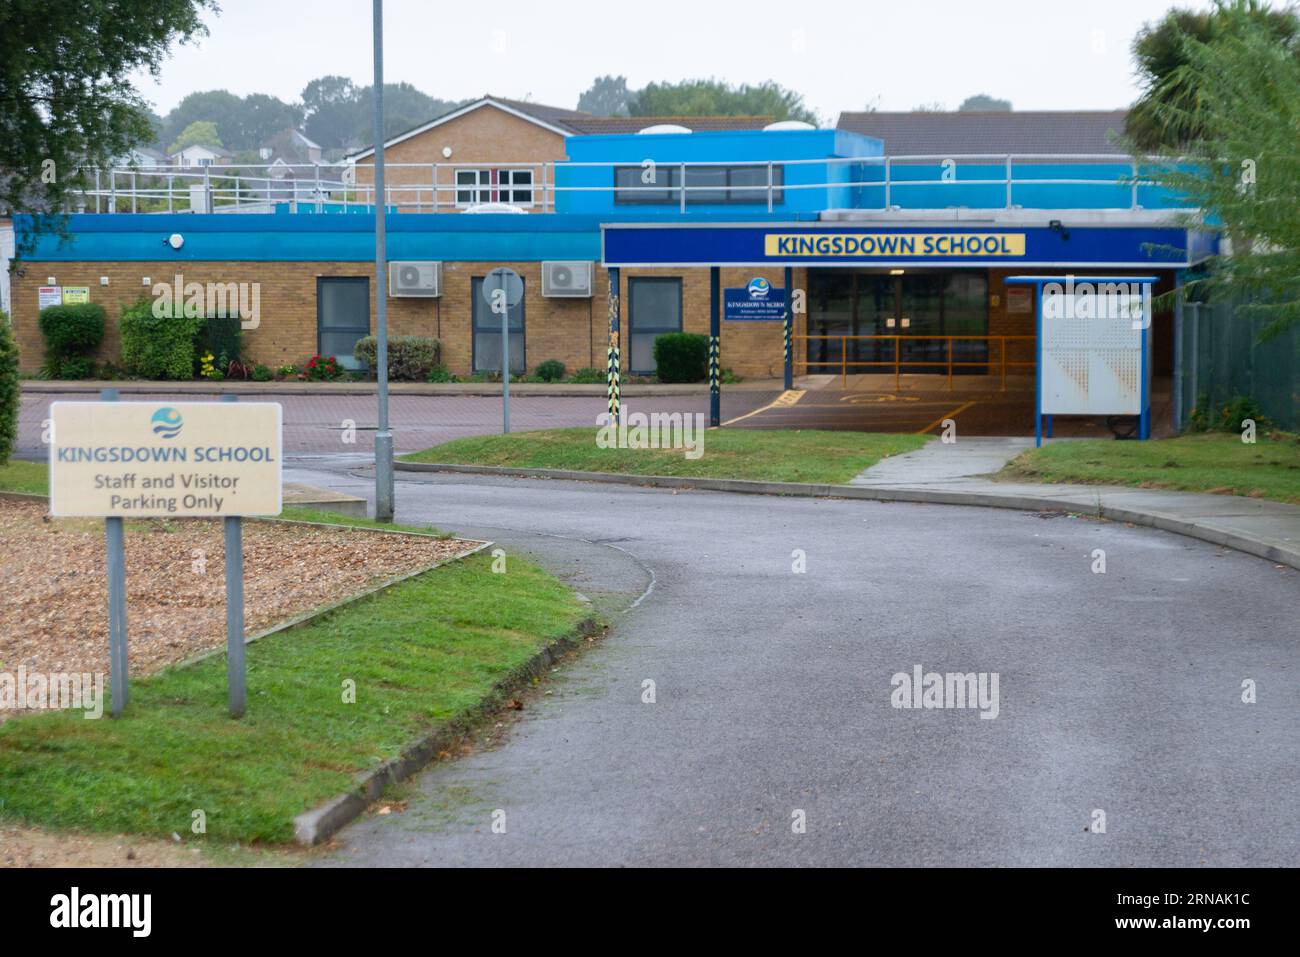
x: 323, y: 369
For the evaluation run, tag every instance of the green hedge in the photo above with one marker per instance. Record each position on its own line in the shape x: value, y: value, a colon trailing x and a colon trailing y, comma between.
x: 682, y: 357
x: 8, y: 388
x: 158, y: 347
x: 410, y: 358
x: 72, y: 336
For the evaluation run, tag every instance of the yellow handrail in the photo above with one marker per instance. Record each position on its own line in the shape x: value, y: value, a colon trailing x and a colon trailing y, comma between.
x: 949, y: 362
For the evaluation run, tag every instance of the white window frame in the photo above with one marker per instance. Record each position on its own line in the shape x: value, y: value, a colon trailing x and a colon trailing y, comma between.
x: 479, y: 190
x: 494, y: 184
x: 506, y: 182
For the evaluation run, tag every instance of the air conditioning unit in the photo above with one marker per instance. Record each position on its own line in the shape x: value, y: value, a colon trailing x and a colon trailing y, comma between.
x: 566, y: 280
x: 410, y: 280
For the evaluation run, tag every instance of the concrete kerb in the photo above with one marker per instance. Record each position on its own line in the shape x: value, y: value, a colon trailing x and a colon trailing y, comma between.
x: 320, y: 823
x: 985, y: 499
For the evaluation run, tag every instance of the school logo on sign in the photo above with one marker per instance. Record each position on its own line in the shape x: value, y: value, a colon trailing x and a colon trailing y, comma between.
x: 167, y: 423
x: 759, y: 288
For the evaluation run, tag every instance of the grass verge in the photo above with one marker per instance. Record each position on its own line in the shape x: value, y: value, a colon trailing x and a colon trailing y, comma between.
x: 29, y: 477
x: 423, y: 653
x: 767, y: 456
x: 1213, y: 462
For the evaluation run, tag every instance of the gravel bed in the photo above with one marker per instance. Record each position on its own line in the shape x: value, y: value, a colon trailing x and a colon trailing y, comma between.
x: 53, y: 613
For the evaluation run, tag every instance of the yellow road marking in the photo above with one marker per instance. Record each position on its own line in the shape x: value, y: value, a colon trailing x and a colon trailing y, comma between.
x: 951, y: 415
x: 782, y: 401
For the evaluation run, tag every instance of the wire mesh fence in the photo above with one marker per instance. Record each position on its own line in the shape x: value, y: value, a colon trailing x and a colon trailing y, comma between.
x: 1223, y: 357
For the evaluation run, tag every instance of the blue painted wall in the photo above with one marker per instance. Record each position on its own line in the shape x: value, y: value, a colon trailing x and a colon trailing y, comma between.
x: 734, y: 146
x: 919, y: 187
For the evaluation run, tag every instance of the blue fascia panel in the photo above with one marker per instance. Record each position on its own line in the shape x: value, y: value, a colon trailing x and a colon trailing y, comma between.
x: 626, y: 245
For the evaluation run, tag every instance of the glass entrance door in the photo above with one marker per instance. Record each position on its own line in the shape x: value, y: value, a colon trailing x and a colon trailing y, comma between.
x: 923, y: 303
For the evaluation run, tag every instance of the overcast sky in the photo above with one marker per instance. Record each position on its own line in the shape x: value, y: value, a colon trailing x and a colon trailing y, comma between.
x: 842, y: 55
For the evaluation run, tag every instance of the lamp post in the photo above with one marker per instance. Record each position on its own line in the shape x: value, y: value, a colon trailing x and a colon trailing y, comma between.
x: 383, y: 437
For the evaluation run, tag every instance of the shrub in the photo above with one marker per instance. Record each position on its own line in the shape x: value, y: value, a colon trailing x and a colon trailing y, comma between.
x: 9, y: 390
x: 410, y: 358
x: 158, y: 347
x: 220, y: 336
x: 71, y: 333
x: 552, y: 370
x: 588, y: 376
x: 1237, y: 409
x: 1229, y: 416
x: 682, y: 357
x: 440, y: 373
x: 262, y: 373
x: 287, y: 371
x: 323, y: 369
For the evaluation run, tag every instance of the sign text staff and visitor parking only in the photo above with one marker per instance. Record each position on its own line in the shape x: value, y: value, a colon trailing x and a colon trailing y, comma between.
x: 181, y: 459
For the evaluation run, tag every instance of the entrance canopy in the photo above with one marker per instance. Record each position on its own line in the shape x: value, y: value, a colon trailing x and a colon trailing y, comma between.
x: 801, y: 244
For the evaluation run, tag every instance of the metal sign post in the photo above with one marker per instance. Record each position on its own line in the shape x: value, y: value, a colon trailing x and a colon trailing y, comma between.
x: 115, y: 542
x: 506, y: 292
x: 236, y: 670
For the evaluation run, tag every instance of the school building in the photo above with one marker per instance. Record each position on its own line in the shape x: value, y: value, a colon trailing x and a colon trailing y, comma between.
x: 892, y: 233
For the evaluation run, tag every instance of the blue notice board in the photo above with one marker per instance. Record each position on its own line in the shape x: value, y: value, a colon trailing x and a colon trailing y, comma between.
x: 757, y: 302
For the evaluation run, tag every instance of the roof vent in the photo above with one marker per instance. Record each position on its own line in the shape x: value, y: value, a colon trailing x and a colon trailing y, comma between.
x: 665, y: 128
x: 788, y: 125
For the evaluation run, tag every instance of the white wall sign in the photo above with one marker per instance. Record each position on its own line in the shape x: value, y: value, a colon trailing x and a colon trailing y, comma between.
x: 140, y: 459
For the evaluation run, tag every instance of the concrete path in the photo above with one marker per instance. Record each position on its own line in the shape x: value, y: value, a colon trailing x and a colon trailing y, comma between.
x: 939, y: 462
x: 962, y: 467
x: 1120, y: 692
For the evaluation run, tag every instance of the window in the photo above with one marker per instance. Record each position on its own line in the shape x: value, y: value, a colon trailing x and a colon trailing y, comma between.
x: 205, y: 161
x: 475, y: 186
x: 517, y: 186
x: 472, y: 178
x: 487, y: 332
x: 654, y: 306
x: 342, y: 317
x: 731, y: 185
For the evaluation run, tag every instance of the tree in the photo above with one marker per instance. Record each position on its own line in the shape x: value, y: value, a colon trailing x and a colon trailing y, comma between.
x: 1242, y: 169
x: 982, y: 101
x: 607, y: 96
x: 198, y: 133
x: 219, y: 107
x: 66, y: 98
x: 339, y: 112
x: 1168, y: 113
x: 716, y: 98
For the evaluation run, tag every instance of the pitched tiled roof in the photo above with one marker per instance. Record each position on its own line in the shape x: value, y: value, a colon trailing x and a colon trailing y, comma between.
x: 1056, y: 131
x: 555, y: 115
x: 589, y: 125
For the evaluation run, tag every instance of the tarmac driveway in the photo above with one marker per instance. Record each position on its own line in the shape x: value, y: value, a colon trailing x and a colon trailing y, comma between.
x: 1119, y: 694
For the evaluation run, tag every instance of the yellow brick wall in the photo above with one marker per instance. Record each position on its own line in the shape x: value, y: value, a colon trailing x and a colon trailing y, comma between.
x: 575, y: 331
x: 487, y: 136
